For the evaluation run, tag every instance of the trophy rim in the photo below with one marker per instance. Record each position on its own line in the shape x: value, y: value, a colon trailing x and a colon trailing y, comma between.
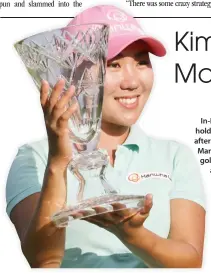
x: 62, y: 28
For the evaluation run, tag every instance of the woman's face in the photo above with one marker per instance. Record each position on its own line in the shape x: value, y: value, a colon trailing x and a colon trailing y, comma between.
x: 128, y: 83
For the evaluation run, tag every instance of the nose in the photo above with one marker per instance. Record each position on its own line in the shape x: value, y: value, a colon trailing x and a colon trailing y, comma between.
x: 130, y: 78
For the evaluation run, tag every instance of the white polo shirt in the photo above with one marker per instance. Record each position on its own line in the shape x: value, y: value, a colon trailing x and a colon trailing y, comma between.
x: 166, y: 169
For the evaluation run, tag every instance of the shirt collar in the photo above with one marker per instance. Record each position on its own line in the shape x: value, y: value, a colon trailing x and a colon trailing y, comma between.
x: 136, y: 138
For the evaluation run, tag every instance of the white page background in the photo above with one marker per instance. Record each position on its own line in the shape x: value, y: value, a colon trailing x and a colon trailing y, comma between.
x: 172, y: 112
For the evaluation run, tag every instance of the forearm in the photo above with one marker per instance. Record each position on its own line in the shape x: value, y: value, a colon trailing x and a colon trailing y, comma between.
x: 156, y: 251
x: 43, y: 244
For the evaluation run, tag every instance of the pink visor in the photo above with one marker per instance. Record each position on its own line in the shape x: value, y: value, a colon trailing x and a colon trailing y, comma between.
x: 124, y: 29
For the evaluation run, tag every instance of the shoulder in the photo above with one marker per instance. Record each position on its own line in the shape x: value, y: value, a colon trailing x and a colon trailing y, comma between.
x: 186, y: 177
x: 26, y: 173
x: 168, y: 149
x: 36, y: 150
x: 166, y: 144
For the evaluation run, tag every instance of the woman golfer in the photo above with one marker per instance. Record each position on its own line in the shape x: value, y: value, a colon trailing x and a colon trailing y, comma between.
x: 169, y: 231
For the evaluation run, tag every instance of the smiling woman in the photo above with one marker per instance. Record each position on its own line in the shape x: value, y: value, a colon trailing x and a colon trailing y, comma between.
x: 129, y: 79
x: 171, y: 223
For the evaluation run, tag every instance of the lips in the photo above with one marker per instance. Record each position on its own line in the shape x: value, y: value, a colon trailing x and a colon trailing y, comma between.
x: 128, y: 102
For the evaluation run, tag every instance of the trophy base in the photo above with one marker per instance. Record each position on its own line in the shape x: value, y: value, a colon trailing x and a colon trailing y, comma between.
x: 86, y: 209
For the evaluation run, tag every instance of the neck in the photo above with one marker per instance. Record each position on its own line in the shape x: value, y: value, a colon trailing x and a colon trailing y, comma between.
x: 112, y: 135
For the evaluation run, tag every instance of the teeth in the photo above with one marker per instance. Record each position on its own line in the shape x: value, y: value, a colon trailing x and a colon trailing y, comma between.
x: 127, y: 101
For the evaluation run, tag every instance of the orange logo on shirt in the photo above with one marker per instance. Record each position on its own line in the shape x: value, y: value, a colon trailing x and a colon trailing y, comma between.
x: 134, y: 177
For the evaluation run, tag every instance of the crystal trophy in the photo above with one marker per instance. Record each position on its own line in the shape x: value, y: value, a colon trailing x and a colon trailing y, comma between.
x: 77, y: 53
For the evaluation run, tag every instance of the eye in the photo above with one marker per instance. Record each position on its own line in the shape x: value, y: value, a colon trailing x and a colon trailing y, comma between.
x: 113, y: 65
x: 143, y: 62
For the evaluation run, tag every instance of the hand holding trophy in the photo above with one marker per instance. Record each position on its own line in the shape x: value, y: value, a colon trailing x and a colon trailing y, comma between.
x: 76, y: 55
x: 56, y: 115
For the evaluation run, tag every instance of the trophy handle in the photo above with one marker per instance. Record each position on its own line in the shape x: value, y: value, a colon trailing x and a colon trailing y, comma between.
x: 107, y: 187
x: 81, y: 184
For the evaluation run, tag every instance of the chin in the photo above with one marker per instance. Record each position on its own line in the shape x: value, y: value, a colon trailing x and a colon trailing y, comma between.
x: 124, y: 123
x: 128, y: 120
x: 128, y: 123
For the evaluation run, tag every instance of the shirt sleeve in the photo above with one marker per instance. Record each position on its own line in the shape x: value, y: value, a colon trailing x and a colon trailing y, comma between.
x: 187, y: 179
x: 25, y: 176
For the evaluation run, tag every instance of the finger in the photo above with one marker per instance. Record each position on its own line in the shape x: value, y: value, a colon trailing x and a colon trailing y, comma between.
x: 77, y: 215
x: 131, y: 216
x: 118, y: 207
x: 66, y: 97
x: 63, y: 119
x: 62, y: 105
x: 100, y: 209
x: 108, y: 216
x: 122, y: 210
x: 55, y: 94
x: 148, y: 202
x: 104, y: 215
x: 44, y: 93
x: 87, y: 213
x: 136, y: 219
x: 121, y: 213
x: 97, y: 221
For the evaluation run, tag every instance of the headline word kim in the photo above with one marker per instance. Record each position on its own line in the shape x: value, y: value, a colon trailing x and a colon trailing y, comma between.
x: 188, y: 42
